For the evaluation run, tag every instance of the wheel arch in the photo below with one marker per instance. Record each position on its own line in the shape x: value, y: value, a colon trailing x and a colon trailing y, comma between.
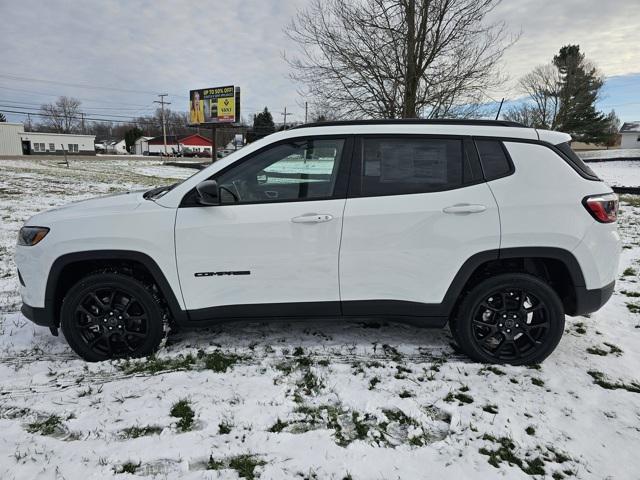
x: 557, y: 266
x: 67, y: 269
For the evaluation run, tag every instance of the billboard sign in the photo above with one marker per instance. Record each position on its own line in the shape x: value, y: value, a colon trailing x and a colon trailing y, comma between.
x: 214, y: 105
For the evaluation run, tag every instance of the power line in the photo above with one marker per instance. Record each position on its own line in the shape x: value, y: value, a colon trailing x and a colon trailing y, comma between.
x: 75, y: 117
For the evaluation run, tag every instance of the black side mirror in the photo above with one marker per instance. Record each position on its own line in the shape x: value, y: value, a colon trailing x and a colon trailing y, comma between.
x: 208, y: 193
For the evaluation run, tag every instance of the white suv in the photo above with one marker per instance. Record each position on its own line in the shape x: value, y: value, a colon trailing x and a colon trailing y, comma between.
x: 498, y: 229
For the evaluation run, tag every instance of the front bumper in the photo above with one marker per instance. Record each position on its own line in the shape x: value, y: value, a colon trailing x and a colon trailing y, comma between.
x: 40, y: 316
x: 589, y: 301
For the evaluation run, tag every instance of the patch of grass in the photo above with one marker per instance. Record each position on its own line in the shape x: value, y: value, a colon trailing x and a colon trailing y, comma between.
x: 530, y: 430
x: 632, y: 200
x: 493, y: 369
x: 224, y: 427
x: 630, y: 294
x: 135, y: 432
x: 629, y: 272
x: 182, y: 410
x: 597, y: 351
x: 405, y: 394
x: 633, y: 307
x: 600, y: 379
x: 310, y: 384
x: 214, y: 464
x: 580, y: 328
x: 245, y: 465
x: 48, y: 426
x: 461, y: 397
x: 154, y: 364
x: 614, y: 349
x: 219, y: 361
x: 392, y: 352
x: 538, y: 382
x: 534, y: 467
x: 505, y: 452
x: 492, y: 409
x: 128, y: 467
x: 278, y: 426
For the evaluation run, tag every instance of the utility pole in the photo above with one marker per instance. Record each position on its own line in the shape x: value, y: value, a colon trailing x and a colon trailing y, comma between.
x: 306, y: 110
x: 82, y: 116
x: 164, y: 123
x: 285, y: 118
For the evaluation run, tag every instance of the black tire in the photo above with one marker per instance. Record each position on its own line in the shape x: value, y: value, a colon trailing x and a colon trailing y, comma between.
x: 511, y: 318
x: 112, y: 315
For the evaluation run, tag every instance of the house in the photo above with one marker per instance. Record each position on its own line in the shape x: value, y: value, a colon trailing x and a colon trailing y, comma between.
x: 141, y: 145
x: 112, y: 147
x: 630, y: 134
x: 15, y: 141
x: 178, y: 143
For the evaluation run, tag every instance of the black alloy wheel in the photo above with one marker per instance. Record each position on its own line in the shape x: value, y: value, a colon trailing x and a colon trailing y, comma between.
x: 510, y: 318
x: 111, y: 315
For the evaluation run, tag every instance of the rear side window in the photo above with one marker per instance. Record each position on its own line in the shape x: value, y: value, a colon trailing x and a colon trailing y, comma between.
x: 576, y: 162
x: 493, y: 158
x: 396, y: 166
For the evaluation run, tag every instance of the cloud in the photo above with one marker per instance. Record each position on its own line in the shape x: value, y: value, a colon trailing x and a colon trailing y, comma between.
x: 173, y: 46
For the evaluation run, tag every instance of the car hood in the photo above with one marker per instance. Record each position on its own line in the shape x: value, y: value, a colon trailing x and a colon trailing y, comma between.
x: 106, y: 205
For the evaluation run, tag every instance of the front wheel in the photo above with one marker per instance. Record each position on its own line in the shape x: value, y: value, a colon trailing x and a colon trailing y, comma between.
x: 111, y: 315
x: 510, y: 318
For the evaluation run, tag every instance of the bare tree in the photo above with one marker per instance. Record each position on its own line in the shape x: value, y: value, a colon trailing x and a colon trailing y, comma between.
x: 524, y: 113
x: 542, y: 86
x: 63, y: 116
x: 397, y: 58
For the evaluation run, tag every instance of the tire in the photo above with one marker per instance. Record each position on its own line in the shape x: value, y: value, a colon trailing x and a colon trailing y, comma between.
x: 112, y: 315
x: 511, y: 318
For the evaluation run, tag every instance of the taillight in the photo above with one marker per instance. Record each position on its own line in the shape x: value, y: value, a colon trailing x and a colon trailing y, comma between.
x: 604, y: 208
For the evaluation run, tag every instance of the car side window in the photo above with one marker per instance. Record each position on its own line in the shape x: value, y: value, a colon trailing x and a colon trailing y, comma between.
x: 493, y: 158
x: 298, y: 170
x: 396, y: 166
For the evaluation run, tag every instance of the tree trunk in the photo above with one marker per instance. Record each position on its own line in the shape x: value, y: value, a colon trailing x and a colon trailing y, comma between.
x: 411, y: 80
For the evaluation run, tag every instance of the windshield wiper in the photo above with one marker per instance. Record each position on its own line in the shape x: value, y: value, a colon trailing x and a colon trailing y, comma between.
x: 158, y: 191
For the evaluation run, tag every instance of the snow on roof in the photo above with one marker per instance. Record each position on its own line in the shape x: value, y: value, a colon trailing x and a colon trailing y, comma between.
x: 630, y: 127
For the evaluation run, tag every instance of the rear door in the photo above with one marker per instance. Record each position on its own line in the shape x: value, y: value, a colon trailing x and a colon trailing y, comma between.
x: 418, y: 208
x: 271, y: 246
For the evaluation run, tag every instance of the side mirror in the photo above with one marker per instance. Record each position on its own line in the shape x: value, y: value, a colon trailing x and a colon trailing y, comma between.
x: 208, y: 193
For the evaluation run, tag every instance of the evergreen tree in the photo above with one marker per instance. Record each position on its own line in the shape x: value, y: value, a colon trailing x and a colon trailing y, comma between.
x: 579, y: 87
x: 130, y: 137
x: 263, y: 124
x: 2, y: 117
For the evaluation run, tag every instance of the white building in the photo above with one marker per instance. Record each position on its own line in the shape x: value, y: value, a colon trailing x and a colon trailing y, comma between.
x: 630, y: 135
x: 141, y: 145
x: 10, y: 138
x: 15, y: 141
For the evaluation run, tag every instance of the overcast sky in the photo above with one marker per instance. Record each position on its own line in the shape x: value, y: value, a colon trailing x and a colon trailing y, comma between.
x: 119, y: 54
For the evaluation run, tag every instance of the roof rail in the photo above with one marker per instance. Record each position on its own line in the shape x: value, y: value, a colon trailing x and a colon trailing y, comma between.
x: 415, y: 121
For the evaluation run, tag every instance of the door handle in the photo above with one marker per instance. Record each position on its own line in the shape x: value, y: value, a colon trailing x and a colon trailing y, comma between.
x: 312, y: 218
x: 464, y: 208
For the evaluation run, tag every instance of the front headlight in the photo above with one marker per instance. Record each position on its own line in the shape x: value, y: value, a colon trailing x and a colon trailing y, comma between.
x: 30, y: 236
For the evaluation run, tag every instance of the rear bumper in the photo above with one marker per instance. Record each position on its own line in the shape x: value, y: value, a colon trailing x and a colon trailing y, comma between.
x: 589, y: 301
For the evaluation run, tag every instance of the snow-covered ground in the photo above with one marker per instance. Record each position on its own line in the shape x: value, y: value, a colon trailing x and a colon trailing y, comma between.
x: 623, y: 173
x: 315, y: 400
x: 611, y: 154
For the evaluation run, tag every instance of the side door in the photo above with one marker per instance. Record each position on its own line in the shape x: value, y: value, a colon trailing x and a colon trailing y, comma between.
x: 271, y: 247
x: 418, y: 208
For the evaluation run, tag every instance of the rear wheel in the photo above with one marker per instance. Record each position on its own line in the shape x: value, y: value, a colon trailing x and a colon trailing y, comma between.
x: 111, y: 315
x: 510, y: 318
